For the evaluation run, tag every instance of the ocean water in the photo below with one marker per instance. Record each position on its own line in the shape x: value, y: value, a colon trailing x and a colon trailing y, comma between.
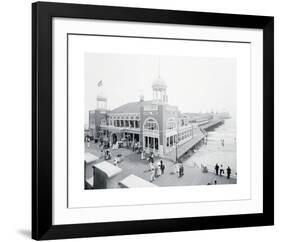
x: 214, y: 152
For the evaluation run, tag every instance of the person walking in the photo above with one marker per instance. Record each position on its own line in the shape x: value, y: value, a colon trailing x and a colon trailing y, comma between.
x: 162, y: 167
x: 221, y: 170
x: 157, y: 170
x: 181, y: 169
x: 228, y: 171
x: 151, y: 165
x: 217, y: 169
x: 152, y: 177
x: 142, y: 155
x: 152, y: 157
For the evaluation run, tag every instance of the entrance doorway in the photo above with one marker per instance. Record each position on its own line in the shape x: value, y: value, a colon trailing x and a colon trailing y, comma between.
x: 114, y: 139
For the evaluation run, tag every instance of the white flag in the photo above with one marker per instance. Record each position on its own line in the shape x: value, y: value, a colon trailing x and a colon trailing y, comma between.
x: 100, y: 83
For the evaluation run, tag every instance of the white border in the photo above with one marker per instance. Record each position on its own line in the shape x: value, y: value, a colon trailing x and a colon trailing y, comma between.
x: 79, y: 45
x: 248, y: 191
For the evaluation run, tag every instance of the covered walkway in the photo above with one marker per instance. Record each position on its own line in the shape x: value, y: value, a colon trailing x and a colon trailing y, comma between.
x: 185, y: 147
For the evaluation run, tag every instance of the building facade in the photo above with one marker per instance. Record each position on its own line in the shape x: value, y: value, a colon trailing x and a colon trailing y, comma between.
x: 156, y: 125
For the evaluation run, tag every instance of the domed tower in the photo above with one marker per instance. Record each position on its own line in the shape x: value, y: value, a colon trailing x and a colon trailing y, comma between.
x: 159, y: 88
x: 101, y: 102
x: 101, y: 98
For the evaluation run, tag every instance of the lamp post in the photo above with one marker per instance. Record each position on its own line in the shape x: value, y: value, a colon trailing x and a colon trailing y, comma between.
x: 176, y: 152
x: 177, y: 141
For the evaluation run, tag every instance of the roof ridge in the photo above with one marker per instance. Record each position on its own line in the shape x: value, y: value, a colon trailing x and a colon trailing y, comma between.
x: 130, y: 107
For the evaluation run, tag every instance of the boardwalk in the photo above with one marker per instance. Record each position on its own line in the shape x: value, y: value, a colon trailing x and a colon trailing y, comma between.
x: 132, y: 164
x: 192, y: 176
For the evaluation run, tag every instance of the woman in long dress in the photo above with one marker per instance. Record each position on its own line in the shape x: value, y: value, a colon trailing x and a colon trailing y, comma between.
x: 156, y: 170
x: 159, y: 172
x: 151, y: 165
x: 152, y: 178
x: 142, y: 155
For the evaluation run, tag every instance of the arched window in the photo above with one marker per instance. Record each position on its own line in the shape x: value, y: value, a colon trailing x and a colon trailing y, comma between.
x: 150, y: 124
x: 171, y: 124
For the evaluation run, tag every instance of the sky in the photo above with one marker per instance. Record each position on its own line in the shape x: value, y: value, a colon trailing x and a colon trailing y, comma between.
x: 194, y: 84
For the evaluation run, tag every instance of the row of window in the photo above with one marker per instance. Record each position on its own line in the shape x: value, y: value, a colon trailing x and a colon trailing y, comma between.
x: 150, y: 124
x: 124, y: 118
x: 173, y: 125
x: 124, y: 123
x: 172, y: 140
x: 151, y: 143
x: 185, y: 134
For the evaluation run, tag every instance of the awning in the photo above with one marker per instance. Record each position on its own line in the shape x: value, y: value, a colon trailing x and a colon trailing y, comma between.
x: 133, y: 181
x: 107, y: 168
x: 88, y: 157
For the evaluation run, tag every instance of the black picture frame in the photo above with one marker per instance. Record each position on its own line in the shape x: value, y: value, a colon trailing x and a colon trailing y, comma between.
x: 42, y: 14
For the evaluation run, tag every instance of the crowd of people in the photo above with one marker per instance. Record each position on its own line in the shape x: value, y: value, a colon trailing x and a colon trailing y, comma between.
x: 180, y: 168
x: 156, y: 168
x: 220, y: 170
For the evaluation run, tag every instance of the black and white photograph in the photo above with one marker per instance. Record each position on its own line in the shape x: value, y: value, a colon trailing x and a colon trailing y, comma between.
x: 144, y: 128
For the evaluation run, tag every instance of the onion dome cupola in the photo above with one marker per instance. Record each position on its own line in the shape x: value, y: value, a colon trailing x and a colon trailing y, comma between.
x: 159, y: 88
x: 101, y: 98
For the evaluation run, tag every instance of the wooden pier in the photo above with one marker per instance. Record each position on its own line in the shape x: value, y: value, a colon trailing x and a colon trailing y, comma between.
x: 196, y: 140
x: 214, y: 123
